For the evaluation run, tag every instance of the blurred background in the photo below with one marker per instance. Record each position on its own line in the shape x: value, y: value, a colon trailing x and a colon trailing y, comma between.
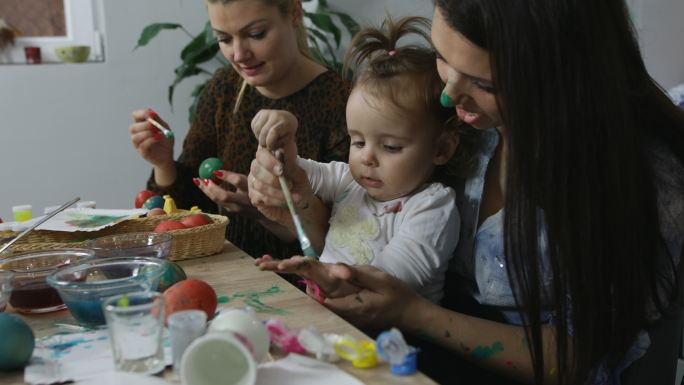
x: 64, y: 127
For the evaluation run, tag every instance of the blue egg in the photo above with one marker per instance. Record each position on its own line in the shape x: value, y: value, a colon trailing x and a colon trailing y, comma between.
x: 154, y: 202
x: 172, y: 273
x: 17, y: 342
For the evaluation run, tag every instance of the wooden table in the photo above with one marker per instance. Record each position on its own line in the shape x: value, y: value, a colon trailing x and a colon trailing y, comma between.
x: 236, y: 280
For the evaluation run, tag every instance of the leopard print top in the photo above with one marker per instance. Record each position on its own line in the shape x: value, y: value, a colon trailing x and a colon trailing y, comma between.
x: 216, y: 132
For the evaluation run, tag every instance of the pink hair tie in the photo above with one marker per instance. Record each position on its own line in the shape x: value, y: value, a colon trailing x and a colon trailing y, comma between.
x: 392, y: 52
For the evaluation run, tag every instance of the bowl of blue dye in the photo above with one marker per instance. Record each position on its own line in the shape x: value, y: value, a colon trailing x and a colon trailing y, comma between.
x: 148, y: 244
x: 84, y: 286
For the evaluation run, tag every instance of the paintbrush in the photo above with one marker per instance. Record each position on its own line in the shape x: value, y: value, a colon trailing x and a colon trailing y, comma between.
x: 167, y: 133
x: 304, y: 241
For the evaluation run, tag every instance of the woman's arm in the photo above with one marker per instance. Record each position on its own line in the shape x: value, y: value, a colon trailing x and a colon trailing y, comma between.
x: 385, y: 301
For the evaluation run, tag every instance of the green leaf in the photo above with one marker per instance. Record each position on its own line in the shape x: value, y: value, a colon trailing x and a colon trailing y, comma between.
x: 349, y: 23
x: 197, y: 51
x: 324, y: 22
x: 182, y: 72
x: 209, y: 37
x: 323, y: 3
x: 321, y: 37
x: 153, y: 30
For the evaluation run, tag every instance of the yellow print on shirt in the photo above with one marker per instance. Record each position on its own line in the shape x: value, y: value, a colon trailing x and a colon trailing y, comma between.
x: 348, y: 230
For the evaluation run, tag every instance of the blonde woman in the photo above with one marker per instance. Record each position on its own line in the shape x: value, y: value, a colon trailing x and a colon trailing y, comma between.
x: 265, y: 42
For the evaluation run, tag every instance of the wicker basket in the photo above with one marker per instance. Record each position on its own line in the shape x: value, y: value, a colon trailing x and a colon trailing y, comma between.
x: 189, y: 243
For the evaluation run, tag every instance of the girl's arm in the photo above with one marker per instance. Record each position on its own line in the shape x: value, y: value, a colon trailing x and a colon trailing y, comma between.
x: 385, y: 301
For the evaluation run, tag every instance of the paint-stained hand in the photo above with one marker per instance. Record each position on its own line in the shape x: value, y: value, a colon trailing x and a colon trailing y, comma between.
x: 383, y: 301
x: 150, y: 141
x: 231, y: 195
x: 324, y: 274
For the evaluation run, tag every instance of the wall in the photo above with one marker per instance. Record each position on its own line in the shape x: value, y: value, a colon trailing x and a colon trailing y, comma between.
x: 64, y: 127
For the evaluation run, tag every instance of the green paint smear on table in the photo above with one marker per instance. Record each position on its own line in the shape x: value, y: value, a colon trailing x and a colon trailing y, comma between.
x: 253, y: 300
x: 485, y: 352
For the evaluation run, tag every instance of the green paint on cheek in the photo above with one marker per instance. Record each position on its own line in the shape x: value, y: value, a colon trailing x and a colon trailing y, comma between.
x: 486, y: 352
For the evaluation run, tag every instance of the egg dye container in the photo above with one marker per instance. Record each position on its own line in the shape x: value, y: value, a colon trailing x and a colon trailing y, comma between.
x: 217, y: 359
x: 84, y: 286
x: 6, y: 282
x: 30, y: 291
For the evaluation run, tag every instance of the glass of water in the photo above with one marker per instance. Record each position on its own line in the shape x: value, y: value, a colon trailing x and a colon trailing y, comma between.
x: 136, y: 322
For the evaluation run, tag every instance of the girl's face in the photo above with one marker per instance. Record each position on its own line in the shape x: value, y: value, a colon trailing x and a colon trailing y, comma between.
x: 258, y: 41
x: 392, y: 153
x: 465, y: 69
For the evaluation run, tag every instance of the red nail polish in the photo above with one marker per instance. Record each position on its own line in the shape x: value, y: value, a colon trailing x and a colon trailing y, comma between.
x: 206, y: 182
x: 153, y: 114
x: 196, y: 181
x: 218, y: 173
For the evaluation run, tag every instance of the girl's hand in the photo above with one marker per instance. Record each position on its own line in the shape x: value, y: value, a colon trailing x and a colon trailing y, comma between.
x: 265, y: 192
x: 324, y: 274
x: 236, y: 201
x: 149, y: 141
x: 383, y: 301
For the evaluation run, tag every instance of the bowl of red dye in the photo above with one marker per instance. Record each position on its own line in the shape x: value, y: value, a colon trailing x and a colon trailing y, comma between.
x: 6, y: 282
x: 30, y: 291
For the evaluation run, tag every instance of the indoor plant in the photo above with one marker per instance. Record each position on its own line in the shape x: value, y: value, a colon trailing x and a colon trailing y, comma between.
x: 323, y: 29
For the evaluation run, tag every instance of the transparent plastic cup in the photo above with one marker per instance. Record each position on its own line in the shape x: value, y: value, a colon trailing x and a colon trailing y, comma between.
x: 136, y: 322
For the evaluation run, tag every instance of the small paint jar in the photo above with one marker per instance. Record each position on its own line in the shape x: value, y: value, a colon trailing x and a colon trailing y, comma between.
x: 33, y: 55
x: 22, y: 212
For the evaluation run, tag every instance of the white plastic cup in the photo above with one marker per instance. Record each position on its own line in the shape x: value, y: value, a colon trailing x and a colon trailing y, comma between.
x: 217, y: 359
x: 185, y: 326
x: 246, y: 326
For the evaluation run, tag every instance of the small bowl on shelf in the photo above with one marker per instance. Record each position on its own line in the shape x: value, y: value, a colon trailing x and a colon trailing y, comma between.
x: 73, y: 53
x: 6, y: 282
x: 84, y: 286
x: 30, y: 291
x: 155, y: 245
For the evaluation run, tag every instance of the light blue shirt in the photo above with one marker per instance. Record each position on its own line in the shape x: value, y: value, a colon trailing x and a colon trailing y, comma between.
x: 479, y: 257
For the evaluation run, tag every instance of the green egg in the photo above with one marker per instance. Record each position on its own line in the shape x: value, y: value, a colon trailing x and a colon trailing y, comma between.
x: 208, y: 166
x: 172, y: 273
x: 17, y: 344
x: 154, y: 202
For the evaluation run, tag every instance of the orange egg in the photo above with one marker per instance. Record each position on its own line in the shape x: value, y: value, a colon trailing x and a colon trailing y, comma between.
x: 188, y: 295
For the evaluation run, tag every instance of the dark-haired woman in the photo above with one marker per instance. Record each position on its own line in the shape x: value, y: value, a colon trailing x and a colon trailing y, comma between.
x: 573, y: 217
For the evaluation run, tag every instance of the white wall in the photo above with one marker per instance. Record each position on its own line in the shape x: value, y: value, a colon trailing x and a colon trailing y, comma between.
x: 64, y: 127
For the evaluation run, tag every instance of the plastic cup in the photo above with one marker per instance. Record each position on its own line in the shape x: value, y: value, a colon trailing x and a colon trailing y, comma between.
x: 22, y: 213
x: 185, y: 327
x: 217, y: 359
x: 136, y: 323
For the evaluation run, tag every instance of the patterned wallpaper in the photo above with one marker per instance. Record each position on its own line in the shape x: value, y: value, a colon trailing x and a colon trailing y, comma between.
x: 35, y: 17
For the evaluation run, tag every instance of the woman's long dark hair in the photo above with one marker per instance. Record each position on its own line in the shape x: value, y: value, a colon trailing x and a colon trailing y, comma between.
x: 578, y: 106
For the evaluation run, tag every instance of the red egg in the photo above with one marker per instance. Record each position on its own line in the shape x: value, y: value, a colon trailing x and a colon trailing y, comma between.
x: 142, y: 196
x: 188, y: 295
x: 194, y: 220
x: 169, y: 226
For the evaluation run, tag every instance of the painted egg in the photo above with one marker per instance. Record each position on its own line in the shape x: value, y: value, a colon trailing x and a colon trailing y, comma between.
x: 17, y: 342
x: 208, y: 166
x: 154, y: 202
x: 190, y: 294
x: 172, y: 273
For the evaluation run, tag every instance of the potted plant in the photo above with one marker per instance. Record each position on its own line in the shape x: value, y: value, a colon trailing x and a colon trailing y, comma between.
x: 324, y: 30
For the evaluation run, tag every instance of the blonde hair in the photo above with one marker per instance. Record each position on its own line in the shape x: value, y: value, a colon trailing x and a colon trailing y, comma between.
x: 285, y: 7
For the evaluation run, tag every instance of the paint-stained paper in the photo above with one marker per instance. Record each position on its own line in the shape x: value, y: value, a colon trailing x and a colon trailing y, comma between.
x: 85, y: 219
x: 296, y: 369
x: 74, y: 357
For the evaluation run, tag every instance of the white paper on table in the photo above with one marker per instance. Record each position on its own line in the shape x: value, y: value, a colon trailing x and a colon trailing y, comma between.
x: 83, y: 219
x: 75, y: 356
x: 302, y: 370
